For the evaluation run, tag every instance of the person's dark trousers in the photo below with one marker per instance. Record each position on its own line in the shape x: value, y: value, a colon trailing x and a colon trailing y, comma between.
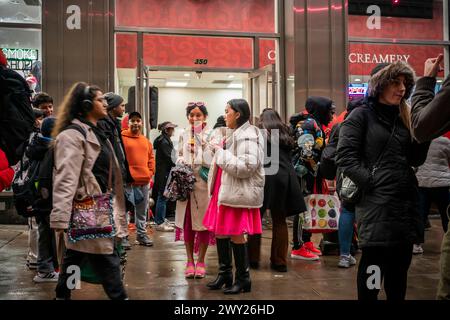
x: 393, y: 264
x: 161, y: 206
x: 106, y: 267
x: 440, y: 197
x: 47, y: 259
x: 298, y: 233
x: 280, y: 240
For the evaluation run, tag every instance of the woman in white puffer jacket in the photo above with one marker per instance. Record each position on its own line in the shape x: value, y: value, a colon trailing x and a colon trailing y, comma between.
x: 236, y: 185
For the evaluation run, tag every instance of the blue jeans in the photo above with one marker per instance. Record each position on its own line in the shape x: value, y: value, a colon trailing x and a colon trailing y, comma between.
x: 141, y: 212
x: 161, y: 204
x: 345, y: 231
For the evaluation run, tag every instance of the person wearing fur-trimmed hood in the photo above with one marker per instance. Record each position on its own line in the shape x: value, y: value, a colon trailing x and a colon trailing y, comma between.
x: 377, y: 151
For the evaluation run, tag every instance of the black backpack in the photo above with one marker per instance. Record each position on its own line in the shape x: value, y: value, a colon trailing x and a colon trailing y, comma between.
x: 33, y: 183
x: 16, y: 114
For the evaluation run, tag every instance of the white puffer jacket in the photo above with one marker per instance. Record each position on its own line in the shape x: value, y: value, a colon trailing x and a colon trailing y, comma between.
x: 435, y: 172
x: 243, y: 173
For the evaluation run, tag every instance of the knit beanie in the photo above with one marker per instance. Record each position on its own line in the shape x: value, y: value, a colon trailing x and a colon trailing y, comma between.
x: 113, y: 100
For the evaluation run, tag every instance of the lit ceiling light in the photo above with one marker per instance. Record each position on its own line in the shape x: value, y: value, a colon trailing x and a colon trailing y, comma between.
x: 439, y: 81
x: 357, y: 80
x: 235, y: 86
x: 230, y: 76
x: 187, y: 74
x: 177, y: 84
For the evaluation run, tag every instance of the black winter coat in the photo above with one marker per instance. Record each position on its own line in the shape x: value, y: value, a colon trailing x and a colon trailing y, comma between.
x: 164, y: 148
x: 112, y: 129
x: 282, y: 192
x: 387, y: 214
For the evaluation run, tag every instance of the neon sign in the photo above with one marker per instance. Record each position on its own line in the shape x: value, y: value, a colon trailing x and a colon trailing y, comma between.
x: 21, y: 59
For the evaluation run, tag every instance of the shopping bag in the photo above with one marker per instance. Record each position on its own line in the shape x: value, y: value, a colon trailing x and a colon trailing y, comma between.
x: 322, y: 213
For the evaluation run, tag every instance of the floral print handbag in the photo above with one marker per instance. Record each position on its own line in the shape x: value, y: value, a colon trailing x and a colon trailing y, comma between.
x: 92, y: 217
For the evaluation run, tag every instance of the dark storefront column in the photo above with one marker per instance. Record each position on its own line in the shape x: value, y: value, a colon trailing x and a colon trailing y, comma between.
x: 77, y: 38
x: 320, y: 35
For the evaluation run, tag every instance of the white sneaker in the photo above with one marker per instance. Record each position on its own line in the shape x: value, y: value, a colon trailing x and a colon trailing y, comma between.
x: 417, y: 249
x: 170, y: 223
x: 164, y: 227
x: 46, y: 277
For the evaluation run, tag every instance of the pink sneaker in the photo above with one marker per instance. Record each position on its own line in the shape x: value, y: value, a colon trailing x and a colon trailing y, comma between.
x: 200, y: 271
x: 189, y: 272
x: 310, y: 246
x: 303, y: 254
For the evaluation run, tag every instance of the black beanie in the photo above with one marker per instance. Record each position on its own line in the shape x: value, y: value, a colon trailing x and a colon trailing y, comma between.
x: 47, y: 126
x: 113, y: 100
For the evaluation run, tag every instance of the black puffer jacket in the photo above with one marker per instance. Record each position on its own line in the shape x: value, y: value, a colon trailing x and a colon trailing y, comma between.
x: 112, y: 129
x: 164, y: 162
x: 387, y: 214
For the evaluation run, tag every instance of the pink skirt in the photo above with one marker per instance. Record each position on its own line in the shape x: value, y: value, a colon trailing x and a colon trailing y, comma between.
x: 229, y: 221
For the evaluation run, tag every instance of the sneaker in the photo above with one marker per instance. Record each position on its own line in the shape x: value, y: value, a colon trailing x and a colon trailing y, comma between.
x: 131, y: 227
x: 144, y: 242
x: 164, y: 227
x: 126, y: 244
x: 189, y: 272
x: 303, y: 254
x: 32, y: 265
x: 46, y: 277
x: 200, y: 271
x: 417, y: 249
x: 310, y: 246
x: 346, y: 261
x: 171, y: 223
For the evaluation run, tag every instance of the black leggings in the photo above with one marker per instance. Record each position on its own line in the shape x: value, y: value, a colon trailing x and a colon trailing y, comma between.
x: 298, y: 233
x: 393, y: 264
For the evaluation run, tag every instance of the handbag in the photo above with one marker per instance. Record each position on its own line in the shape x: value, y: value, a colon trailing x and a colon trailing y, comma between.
x: 92, y: 217
x: 322, y: 215
x: 349, y: 191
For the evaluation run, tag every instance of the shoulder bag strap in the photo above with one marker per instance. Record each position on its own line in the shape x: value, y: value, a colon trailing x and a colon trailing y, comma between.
x: 380, y: 157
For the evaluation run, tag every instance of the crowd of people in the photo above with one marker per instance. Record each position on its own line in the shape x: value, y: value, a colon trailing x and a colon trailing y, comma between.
x: 85, y: 163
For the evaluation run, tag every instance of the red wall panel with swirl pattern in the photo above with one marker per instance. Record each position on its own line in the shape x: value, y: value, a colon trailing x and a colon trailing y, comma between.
x: 224, y: 15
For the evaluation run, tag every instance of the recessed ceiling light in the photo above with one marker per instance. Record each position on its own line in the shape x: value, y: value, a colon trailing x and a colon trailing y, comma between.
x: 439, y: 81
x: 230, y: 76
x: 187, y: 74
x: 358, y: 80
x: 176, y: 84
x: 235, y: 86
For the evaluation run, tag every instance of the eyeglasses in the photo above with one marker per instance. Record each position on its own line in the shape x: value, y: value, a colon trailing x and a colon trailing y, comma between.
x: 198, y: 104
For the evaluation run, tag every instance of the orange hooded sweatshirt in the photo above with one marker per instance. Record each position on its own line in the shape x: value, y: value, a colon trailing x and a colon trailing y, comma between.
x: 140, y: 157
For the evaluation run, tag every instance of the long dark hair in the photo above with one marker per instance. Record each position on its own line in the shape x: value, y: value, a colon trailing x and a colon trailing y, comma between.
x: 72, y: 105
x: 241, y: 106
x: 269, y: 120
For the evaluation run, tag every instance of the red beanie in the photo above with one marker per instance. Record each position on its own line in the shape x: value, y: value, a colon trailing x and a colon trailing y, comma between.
x: 3, y: 61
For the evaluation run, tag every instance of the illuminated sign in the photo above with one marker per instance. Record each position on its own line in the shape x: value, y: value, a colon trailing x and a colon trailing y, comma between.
x: 357, y: 90
x: 21, y: 59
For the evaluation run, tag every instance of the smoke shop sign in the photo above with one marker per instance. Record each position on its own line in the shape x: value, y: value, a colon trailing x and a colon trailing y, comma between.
x: 20, y: 59
x: 374, y: 58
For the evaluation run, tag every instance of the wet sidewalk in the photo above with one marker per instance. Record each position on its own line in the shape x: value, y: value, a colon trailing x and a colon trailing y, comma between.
x: 157, y: 273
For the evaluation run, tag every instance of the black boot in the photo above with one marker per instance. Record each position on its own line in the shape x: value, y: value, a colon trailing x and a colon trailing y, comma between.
x: 225, y: 276
x: 242, y: 279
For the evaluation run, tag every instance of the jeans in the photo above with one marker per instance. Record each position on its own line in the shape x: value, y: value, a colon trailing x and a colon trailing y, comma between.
x: 140, y: 212
x: 161, y: 205
x: 106, y: 267
x: 393, y: 264
x: 345, y: 231
x: 46, y: 246
x: 440, y: 197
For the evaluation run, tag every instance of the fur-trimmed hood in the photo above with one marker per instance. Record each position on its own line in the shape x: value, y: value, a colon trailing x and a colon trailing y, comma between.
x: 386, y: 75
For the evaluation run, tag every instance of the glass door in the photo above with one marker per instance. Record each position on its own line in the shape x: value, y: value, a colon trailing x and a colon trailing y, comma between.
x: 262, y: 90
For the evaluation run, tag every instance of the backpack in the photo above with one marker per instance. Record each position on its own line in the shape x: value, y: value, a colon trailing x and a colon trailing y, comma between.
x: 16, y: 115
x: 33, y: 183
